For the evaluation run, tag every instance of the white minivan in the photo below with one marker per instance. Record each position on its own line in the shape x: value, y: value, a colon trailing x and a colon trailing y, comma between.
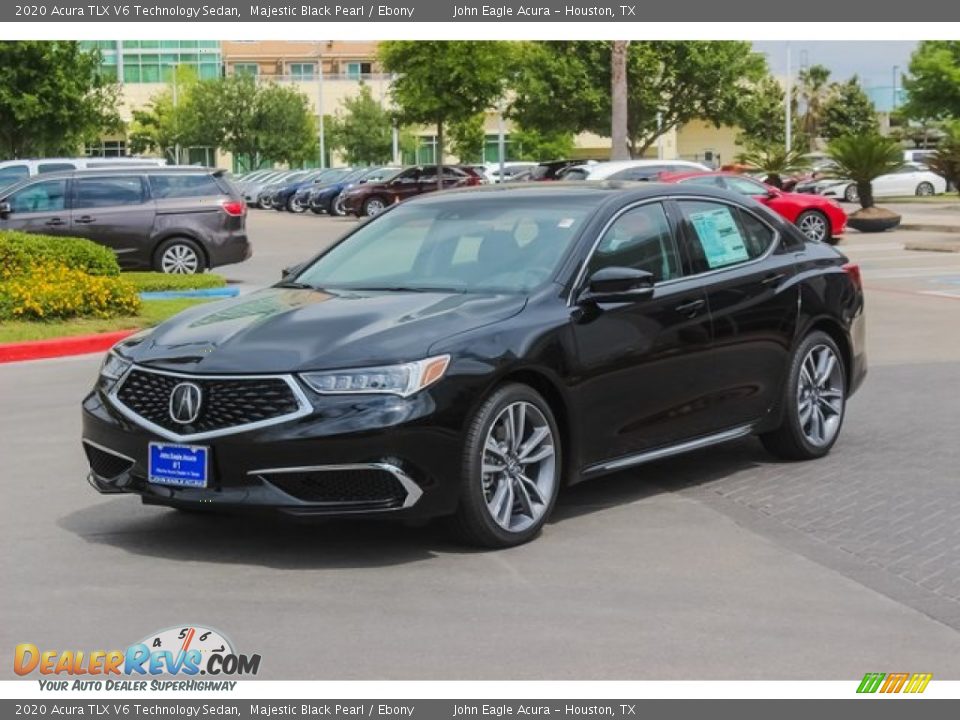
x: 13, y: 171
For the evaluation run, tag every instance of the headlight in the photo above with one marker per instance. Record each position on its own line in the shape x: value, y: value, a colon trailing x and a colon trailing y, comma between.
x: 114, y: 366
x: 403, y: 380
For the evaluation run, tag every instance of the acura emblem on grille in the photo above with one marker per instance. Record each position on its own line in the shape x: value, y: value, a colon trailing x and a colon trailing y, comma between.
x: 185, y: 401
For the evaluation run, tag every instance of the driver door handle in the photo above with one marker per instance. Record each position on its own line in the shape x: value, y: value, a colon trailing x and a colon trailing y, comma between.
x: 691, y: 307
x: 84, y: 219
x: 54, y: 221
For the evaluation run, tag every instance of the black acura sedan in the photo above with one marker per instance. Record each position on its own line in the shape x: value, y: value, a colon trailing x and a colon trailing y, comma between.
x: 469, y: 353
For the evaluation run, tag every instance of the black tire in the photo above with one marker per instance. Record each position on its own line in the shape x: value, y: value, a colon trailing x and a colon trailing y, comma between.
x: 473, y: 522
x: 336, y: 207
x: 295, y: 207
x: 925, y: 189
x: 790, y: 441
x: 373, y: 206
x: 317, y: 211
x: 164, y: 259
x: 815, y: 225
x: 850, y: 193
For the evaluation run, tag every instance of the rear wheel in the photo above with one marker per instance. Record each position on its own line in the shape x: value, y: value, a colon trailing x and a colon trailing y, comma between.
x: 296, y: 206
x: 813, y: 402
x: 925, y: 189
x: 337, y: 208
x: 850, y: 194
x: 815, y: 225
x: 179, y: 256
x: 511, y: 469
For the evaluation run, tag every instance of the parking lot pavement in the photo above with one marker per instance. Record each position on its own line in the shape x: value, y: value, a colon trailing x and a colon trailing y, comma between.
x: 723, y: 564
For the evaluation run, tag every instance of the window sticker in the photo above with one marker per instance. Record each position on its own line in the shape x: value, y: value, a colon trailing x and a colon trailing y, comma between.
x: 719, y: 237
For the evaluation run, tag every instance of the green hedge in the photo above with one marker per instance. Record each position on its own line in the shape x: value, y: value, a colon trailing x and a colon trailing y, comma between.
x: 19, y: 252
x: 156, y: 282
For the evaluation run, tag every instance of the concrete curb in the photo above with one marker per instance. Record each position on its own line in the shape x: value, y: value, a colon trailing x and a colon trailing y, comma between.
x: 61, y: 347
x: 944, y: 246
x: 223, y: 292
x: 927, y: 227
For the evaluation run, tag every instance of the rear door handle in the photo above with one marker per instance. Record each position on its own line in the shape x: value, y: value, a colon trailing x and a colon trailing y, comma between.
x: 691, y: 307
x: 54, y: 221
x: 84, y: 219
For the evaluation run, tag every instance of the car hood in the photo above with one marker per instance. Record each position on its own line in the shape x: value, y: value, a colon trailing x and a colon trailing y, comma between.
x: 280, y: 330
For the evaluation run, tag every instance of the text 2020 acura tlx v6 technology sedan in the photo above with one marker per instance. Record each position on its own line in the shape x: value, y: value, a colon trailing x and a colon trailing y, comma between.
x: 468, y: 353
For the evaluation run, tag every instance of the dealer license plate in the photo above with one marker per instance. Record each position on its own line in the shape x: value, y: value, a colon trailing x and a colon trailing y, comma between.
x: 180, y: 465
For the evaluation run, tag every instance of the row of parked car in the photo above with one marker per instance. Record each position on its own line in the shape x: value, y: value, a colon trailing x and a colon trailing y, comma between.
x: 368, y: 191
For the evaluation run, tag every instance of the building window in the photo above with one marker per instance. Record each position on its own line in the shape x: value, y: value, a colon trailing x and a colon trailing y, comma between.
x: 356, y: 70
x: 251, y: 69
x: 107, y: 148
x: 302, y: 71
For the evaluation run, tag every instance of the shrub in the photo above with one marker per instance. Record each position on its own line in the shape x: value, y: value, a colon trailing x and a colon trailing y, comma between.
x: 20, y: 252
x: 155, y: 281
x: 48, y: 290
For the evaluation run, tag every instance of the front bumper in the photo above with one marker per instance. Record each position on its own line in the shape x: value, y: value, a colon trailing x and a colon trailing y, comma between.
x: 404, y: 444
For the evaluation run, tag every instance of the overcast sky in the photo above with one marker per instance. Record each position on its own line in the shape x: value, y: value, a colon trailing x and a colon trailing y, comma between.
x: 873, y: 61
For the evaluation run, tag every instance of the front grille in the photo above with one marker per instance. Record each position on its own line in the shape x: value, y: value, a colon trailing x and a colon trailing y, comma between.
x: 225, y: 403
x: 371, y: 488
x: 105, y: 464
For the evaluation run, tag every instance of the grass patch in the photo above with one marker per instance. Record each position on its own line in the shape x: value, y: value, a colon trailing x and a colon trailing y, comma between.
x: 950, y: 199
x: 152, y: 313
x: 158, y: 282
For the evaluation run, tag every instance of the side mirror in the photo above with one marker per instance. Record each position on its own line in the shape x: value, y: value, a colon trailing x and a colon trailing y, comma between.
x: 5, y: 209
x: 288, y: 272
x: 617, y: 285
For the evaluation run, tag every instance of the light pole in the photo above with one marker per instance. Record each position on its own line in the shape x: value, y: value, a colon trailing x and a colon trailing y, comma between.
x: 896, y: 71
x: 501, y: 140
x: 323, y: 149
x: 787, y: 97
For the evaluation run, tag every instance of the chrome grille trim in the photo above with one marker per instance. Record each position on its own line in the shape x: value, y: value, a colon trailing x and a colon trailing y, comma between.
x: 305, y: 408
x: 413, y: 490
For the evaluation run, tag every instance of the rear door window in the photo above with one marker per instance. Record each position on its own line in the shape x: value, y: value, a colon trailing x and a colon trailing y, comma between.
x: 723, y: 235
x: 183, y: 186
x: 92, y: 192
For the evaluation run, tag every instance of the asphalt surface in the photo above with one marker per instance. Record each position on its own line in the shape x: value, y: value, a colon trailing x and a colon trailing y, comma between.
x: 723, y: 564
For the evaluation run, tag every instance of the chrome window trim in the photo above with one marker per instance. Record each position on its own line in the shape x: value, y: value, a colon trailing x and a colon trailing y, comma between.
x: 578, y: 281
x: 414, y: 491
x: 305, y: 408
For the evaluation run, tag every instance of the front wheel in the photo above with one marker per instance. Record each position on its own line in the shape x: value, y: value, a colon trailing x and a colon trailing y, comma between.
x: 815, y: 225
x: 337, y: 208
x: 511, y: 470
x: 925, y: 189
x: 296, y: 206
x: 374, y: 206
x: 851, y: 195
x: 813, y: 402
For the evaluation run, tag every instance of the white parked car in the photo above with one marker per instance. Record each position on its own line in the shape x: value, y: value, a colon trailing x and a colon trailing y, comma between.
x: 630, y: 169
x: 13, y: 171
x: 491, y: 171
x: 911, y: 179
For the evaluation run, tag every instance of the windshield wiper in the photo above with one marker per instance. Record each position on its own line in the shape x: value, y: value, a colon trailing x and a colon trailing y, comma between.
x: 294, y: 285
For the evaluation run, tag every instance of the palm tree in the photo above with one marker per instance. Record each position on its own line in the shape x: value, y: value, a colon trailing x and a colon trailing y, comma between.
x: 946, y: 161
x: 618, y: 94
x: 814, y: 88
x: 773, y: 159
x: 862, y: 158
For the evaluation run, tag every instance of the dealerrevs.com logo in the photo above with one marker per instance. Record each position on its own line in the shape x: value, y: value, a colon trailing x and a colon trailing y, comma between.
x: 186, y: 651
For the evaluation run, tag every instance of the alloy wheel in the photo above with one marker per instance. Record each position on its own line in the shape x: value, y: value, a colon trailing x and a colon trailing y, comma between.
x: 179, y: 260
x: 338, y: 209
x: 519, y: 468
x: 820, y: 395
x: 851, y: 194
x: 924, y: 189
x: 813, y: 225
x: 374, y: 206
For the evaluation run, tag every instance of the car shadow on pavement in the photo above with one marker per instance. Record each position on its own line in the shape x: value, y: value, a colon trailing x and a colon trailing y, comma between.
x: 284, y: 543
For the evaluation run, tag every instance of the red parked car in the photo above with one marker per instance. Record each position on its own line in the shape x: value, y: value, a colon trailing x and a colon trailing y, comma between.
x: 819, y: 218
x: 375, y: 197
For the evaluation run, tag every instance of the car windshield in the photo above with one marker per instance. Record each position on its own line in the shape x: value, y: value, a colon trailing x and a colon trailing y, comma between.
x: 476, y: 245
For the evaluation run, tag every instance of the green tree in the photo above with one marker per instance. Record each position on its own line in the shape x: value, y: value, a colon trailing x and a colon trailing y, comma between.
x: 467, y: 138
x: 946, y: 161
x: 172, y: 119
x: 862, y: 159
x: 774, y: 159
x: 848, y: 110
x: 258, y: 123
x: 763, y: 117
x: 814, y: 89
x: 566, y: 86
x: 53, y: 98
x: 363, y: 131
x: 440, y: 82
x: 526, y: 144
x: 933, y: 85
